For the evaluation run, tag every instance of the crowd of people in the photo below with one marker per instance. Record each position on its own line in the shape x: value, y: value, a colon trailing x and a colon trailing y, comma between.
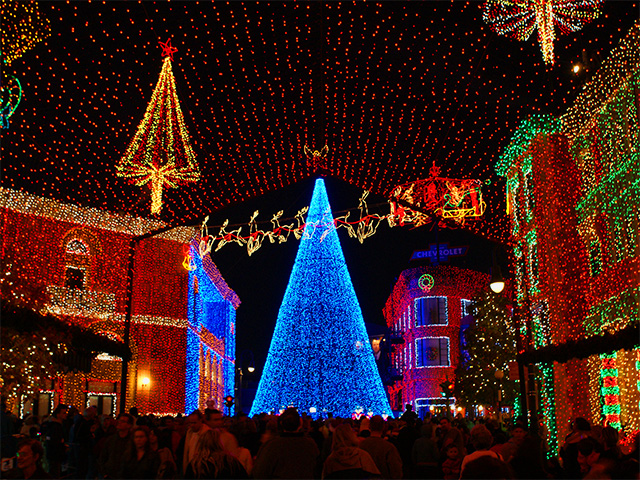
x: 71, y: 444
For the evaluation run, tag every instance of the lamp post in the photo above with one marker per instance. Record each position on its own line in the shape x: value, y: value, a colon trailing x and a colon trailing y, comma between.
x: 499, y: 374
x: 240, y: 376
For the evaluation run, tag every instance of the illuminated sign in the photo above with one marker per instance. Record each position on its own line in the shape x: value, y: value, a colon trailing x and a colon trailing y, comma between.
x: 445, y: 252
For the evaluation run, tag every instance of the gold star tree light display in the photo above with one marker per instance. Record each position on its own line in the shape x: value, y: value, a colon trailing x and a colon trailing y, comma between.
x: 160, y: 153
x: 519, y: 18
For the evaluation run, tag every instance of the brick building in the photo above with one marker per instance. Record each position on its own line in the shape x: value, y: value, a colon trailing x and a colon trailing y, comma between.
x: 573, y: 187
x: 427, y: 311
x: 182, y: 335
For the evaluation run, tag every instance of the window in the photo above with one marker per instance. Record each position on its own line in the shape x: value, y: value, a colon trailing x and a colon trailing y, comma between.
x: 431, y: 311
x: 78, y: 247
x: 432, y: 352
x: 465, y: 308
x: 74, y: 278
x: 104, y: 403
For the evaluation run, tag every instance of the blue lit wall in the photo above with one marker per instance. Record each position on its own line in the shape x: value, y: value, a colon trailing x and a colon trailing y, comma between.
x: 320, y: 356
x: 208, y: 308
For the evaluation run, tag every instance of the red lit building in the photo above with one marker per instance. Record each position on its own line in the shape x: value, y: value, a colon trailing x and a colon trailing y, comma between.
x: 573, y: 186
x: 427, y: 310
x: 77, y: 259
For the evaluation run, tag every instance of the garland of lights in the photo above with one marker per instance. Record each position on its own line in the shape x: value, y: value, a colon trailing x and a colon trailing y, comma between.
x: 320, y: 359
x: 520, y: 18
x: 11, y: 96
x: 449, y: 199
x: 160, y: 152
x: 610, y: 391
x: 549, y: 407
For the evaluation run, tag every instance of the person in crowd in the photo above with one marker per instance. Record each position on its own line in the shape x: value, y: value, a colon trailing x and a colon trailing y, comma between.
x: 229, y: 440
x: 611, y: 450
x: 160, y: 442
x: 210, y: 460
x: 8, y: 429
x: 487, y: 467
x: 195, y: 428
x: 30, y: 428
x: 83, y: 434
x: 115, y: 446
x: 407, y: 436
x: 29, y: 461
x: 332, y: 423
x: 54, y: 440
x: 500, y: 439
x: 408, y: 414
x: 384, y: 453
x: 288, y: 455
x: 589, y: 451
x: 508, y: 450
x: 215, y: 419
x: 453, y: 462
x: 178, y: 431
x: 528, y: 459
x: 580, y: 429
x: 481, y: 441
x: 449, y: 434
x: 139, y: 460
x: 364, y: 430
x: 316, y: 433
x: 246, y: 432
x: 347, y: 460
x: 425, y: 454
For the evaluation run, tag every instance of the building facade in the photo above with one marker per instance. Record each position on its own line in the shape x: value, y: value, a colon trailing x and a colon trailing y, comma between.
x: 182, y: 351
x: 573, y: 188
x: 427, y: 312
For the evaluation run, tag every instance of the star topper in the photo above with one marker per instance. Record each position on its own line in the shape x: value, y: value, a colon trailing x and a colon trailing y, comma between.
x: 167, y: 49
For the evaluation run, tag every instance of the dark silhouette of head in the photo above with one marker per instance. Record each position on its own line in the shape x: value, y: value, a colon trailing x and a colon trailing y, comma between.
x: 290, y: 420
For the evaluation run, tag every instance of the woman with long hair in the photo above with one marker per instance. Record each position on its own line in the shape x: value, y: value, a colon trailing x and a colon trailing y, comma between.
x: 139, y: 460
x: 159, y: 442
x: 211, y: 461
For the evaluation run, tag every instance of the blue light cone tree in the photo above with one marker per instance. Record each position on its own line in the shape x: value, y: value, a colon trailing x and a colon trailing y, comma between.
x: 320, y: 359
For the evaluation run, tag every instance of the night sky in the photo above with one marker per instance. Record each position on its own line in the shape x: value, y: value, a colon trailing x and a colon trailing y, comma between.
x: 389, y: 87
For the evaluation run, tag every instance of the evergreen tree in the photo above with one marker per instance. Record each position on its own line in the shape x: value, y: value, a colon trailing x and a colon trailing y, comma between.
x: 491, y: 345
x: 320, y: 359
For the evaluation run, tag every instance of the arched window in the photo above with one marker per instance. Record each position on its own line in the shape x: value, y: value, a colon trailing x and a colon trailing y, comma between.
x: 77, y: 247
x: 78, y: 253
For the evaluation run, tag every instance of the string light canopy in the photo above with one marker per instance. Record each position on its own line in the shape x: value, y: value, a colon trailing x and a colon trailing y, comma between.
x: 389, y: 87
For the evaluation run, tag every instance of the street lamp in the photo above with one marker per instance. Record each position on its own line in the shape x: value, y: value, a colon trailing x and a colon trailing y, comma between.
x: 497, y: 280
